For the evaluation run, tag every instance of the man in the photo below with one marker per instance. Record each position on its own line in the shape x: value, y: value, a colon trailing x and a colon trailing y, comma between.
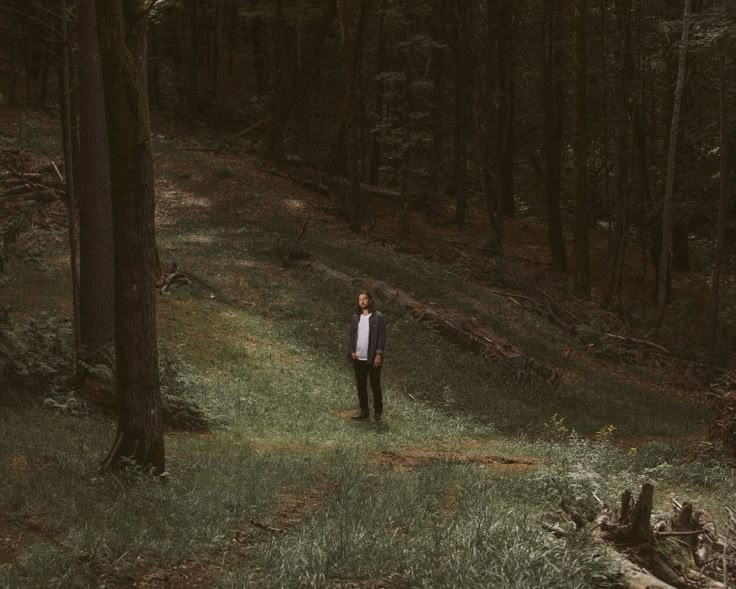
x: 366, y: 344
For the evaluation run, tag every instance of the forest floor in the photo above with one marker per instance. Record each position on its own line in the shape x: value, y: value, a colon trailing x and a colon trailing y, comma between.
x: 453, y: 488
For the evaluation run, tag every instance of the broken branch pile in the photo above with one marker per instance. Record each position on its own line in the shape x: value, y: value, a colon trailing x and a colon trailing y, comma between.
x: 682, y: 550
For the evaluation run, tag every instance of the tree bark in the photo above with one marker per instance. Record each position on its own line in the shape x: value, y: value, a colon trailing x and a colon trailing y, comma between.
x: 276, y: 138
x: 69, y: 170
x: 505, y: 126
x: 259, y: 60
x: 580, y: 148
x: 216, y: 54
x: 722, y: 205
x: 617, y: 251
x: 96, y: 296
x: 347, y: 48
x: 553, y: 98
x: 375, y: 159
x: 122, y: 38
x: 666, y: 251
x: 193, y: 55
x: 462, y: 80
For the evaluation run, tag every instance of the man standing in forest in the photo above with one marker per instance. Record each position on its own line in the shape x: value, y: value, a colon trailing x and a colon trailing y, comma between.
x: 366, y: 344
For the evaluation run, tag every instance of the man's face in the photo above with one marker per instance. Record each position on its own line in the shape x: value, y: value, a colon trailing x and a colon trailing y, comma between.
x: 363, y: 301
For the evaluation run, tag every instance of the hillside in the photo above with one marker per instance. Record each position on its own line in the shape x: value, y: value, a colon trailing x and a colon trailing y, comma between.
x: 477, y: 452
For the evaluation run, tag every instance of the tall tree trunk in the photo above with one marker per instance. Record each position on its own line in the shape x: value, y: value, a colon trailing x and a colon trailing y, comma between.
x: 97, y: 291
x: 259, y: 58
x: 122, y: 38
x: 580, y: 148
x: 617, y: 251
x: 722, y: 205
x: 505, y: 127
x: 193, y: 55
x: 359, y: 90
x: 154, y: 66
x: 680, y: 246
x: 462, y: 80
x: 69, y: 170
x: 375, y: 160
x: 666, y: 252
x: 347, y: 48
x: 216, y: 56
x: 407, y: 107
x: 276, y: 138
x: 553, y: 97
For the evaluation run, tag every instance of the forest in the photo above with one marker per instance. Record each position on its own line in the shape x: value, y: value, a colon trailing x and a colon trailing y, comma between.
x: 368, y: 293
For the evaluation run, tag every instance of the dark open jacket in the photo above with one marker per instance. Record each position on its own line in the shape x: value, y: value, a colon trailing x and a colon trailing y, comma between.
x: 376, y: 335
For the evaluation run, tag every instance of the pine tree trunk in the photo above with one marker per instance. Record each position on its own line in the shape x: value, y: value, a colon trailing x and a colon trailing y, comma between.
x: 580, y: 148
x: 665, y: 257
x: 193, y: 55
x: 96, y: 267
x: 617, y: 249
x: 462, y: 80
x: 553, y: 132
x: 216, y: 56
x: 505, y: 127
x: 347, y: 48
x: 722, y: 204
x: 122, y: 38
x: 69, y: 170
x: 407, y: 108
x: 259, y: 59
x: 276, y: 139
x: 375, y: 159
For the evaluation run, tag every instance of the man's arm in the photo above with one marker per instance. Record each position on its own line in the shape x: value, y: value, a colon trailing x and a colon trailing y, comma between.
x: 380, y: 335
x: 350, y: 342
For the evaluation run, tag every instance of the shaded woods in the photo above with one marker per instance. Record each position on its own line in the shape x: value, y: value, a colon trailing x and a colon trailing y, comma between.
x: 539, y: 195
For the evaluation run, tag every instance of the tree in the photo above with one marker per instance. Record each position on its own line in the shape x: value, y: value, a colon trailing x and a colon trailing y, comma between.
x: 505, y: 126
x: 722, y: 204
x: 96, y: 275
x: 462, y: 81
x: 276, y: 138
x: 580, y: 148
x: 665, y: 258
x: 122, y: 37
x: 69, y: 168
x: 553, y: 97
x: 193, y: 96
x: 352, y: 152
x: 617, y: 252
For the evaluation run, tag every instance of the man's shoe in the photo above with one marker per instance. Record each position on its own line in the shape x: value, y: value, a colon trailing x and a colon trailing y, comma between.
x: 359, y: 416
x: 377, y: 417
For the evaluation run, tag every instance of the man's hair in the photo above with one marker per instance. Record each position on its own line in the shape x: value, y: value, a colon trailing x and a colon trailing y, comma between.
x: 358, y: 310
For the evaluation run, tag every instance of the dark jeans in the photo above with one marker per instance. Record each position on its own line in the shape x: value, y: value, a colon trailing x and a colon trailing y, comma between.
x: 363, y: 371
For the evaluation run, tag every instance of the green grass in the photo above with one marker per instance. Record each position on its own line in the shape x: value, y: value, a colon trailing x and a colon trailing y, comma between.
x: 267, y: 362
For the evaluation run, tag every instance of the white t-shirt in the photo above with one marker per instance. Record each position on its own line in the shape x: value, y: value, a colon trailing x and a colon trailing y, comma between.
x: 361, y: 347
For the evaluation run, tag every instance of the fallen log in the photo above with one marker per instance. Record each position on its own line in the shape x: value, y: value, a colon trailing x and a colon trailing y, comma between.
x: 633, y: 340
x: 364, y: 188
x: 306, y: 182
x: 465, y: 332
x: 470, y: 334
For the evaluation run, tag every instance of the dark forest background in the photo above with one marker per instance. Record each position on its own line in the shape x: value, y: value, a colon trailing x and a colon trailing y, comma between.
x: 541, y: 193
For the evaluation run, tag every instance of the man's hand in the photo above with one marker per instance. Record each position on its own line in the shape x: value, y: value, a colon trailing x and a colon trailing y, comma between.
x: 378, y: 360
x: 354, y: 356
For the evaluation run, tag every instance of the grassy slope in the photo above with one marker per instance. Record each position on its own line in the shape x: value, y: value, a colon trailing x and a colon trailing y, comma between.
x: 268, y: 364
